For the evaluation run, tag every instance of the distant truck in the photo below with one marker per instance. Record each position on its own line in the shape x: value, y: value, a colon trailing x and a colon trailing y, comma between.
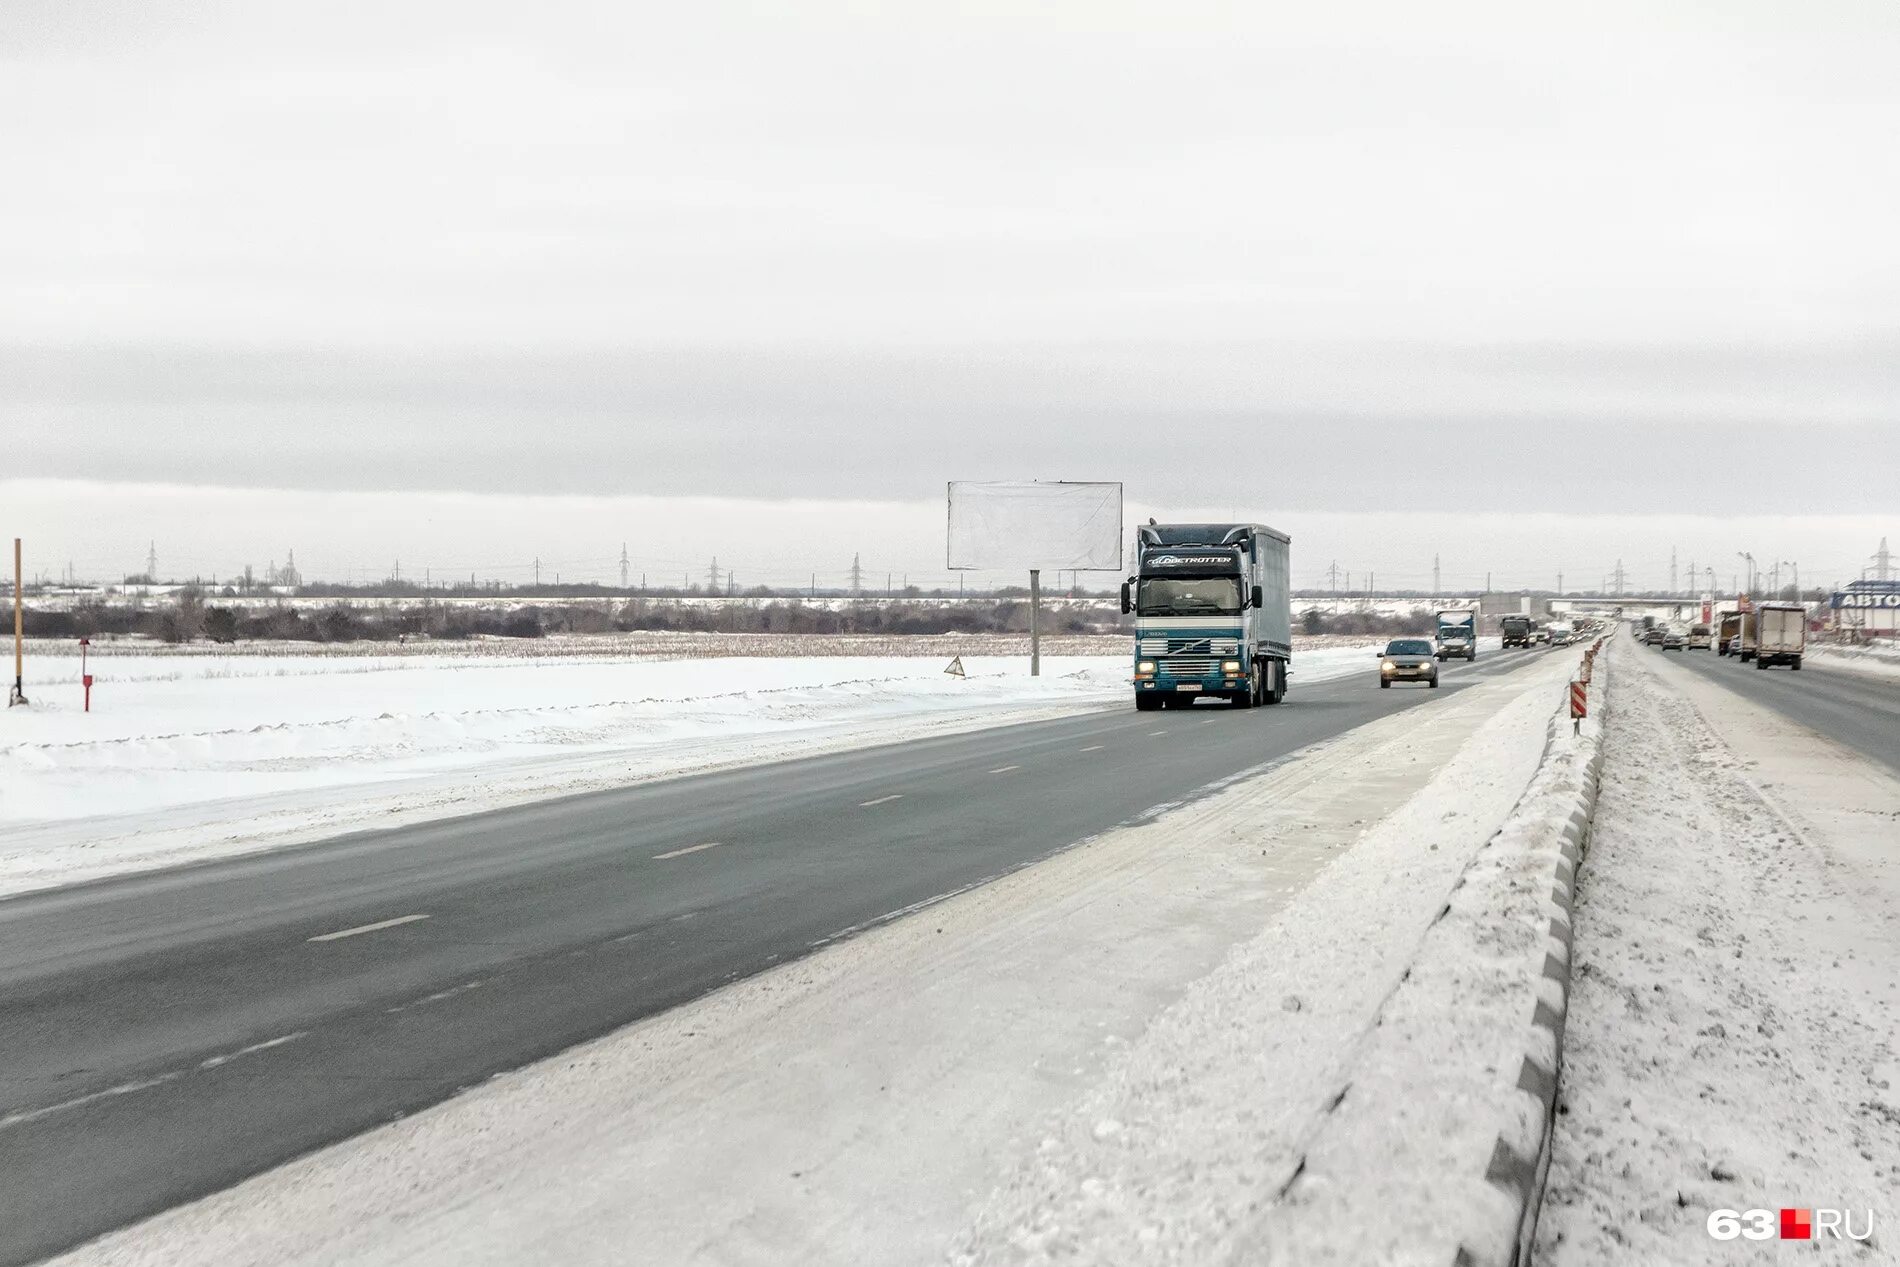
x: 1728, y: 627
x: 1458, y: 633
x: 1517, y: 630
x: 1213, y: 609
x: 1745, y: 639
x: 1781, y: 634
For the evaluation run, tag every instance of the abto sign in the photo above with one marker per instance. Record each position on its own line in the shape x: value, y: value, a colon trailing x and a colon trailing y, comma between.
x: 1865, y: 600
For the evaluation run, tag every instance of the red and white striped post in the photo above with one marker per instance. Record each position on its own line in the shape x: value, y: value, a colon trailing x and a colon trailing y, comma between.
x: 1579, y: 706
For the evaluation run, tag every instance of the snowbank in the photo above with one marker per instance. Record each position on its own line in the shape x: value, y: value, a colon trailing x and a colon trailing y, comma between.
x: 1882, y: 657
x: 185, y: 756
x: 1434, y: 1149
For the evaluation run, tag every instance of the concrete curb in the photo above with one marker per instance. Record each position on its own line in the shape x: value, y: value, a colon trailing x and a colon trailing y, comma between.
x: 1520, y: 1160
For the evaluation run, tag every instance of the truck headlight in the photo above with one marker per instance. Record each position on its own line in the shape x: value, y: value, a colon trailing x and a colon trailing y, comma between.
x: 1230, y: 667
x: 1144, y: 666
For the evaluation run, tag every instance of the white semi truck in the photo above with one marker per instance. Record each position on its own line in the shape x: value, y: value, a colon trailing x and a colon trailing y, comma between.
x: 1213, y: 614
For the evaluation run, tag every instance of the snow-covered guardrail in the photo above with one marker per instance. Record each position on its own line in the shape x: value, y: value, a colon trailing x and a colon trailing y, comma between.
x: 1436, y: 1147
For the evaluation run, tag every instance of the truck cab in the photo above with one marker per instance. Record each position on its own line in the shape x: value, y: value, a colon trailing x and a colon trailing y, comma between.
x: 1213, y: 614
x: 1517, y: 630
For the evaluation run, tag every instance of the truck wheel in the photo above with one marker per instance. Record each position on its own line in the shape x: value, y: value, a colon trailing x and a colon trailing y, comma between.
x: 1147, y: 703
x: 1760, y: 663
x: 1275, y: 672
x: 1795, y: 664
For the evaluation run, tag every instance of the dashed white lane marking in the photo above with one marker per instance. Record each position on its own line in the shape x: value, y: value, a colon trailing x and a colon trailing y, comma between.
x: 895, y: 796
x: 1005, y: 769
x: 1157, y: 732
x: 214, y: 1061
x: 681, y: 853
x: 1095, y: 747
x: 143, y: 1084
x: 360, y: 929
x: 127, y: 1088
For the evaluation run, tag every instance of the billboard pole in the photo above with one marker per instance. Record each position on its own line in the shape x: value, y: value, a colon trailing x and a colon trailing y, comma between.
x: 1035, y: 622
x: 18, y: 694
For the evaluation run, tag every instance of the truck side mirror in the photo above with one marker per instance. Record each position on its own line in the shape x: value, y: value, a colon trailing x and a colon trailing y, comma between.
x: 1259, y: 598
x: 1128, y: 604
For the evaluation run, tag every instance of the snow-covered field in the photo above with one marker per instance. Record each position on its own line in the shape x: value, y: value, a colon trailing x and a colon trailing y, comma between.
x: 1734, y: 1035
x: 1108, y: 1057
x: 186, y: 755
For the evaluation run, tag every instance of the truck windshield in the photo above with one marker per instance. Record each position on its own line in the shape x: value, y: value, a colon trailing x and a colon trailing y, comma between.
x: 1189, y: 596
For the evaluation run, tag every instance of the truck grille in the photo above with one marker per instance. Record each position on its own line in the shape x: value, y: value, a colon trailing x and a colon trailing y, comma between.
x: 1190, y: 666
x: 1192, y: 646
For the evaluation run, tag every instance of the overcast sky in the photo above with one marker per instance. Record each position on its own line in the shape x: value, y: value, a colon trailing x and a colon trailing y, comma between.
x: 571, y: 270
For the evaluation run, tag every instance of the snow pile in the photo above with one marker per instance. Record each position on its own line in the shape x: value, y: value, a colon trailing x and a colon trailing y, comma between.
x: 1874, y: 657
x: 1433, y: 1148
x: 1734, y: 1036
x: 186, y: 755
x: 1185, y: 1148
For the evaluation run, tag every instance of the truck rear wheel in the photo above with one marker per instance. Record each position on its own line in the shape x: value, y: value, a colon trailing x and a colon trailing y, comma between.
x: 1795, y: 664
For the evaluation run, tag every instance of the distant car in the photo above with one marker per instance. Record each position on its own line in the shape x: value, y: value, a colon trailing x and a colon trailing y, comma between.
x: 1673, y: 641
x: 1652, y: 637
x: 1407, y: 660
x: 1734, y: 647
x: 1699, y: 637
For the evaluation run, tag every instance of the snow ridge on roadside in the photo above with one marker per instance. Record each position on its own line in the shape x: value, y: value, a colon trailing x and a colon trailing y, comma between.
x: 1435, y: 1147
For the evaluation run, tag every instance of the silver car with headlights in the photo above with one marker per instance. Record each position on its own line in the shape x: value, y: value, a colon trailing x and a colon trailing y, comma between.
x: 1408, y: 660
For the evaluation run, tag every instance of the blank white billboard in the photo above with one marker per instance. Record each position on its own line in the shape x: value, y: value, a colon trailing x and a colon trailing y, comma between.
x: 1024, y: 525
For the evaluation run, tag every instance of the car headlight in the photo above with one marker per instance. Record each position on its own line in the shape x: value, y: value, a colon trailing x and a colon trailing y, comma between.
x: 1144, y: 666
x: 1230, y: 667
x: 1387, y: 665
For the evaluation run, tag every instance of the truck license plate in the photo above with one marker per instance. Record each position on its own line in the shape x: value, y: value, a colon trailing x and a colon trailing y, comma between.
x: 1188, y: 686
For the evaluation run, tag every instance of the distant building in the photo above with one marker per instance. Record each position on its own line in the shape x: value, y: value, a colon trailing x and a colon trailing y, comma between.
x: 1870, y: 608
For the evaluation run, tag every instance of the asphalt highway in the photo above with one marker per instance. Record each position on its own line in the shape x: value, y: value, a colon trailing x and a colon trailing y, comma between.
x: 167, y: 1034
x: 1860, y: 710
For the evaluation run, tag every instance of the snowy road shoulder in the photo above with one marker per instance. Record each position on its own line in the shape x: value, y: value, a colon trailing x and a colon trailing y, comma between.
x: 1070, y: 1042
x: 1734, y: 1033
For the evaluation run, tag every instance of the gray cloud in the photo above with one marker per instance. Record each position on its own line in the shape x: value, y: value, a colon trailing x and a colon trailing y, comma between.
x: 1321, y: 426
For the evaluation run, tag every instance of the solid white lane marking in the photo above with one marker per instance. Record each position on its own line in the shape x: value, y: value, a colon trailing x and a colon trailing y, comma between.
x: 1005, y: 769
x: 895, y: 796
x: 681, y: 853
x: 1095, y: 747
x: 360, y: 929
